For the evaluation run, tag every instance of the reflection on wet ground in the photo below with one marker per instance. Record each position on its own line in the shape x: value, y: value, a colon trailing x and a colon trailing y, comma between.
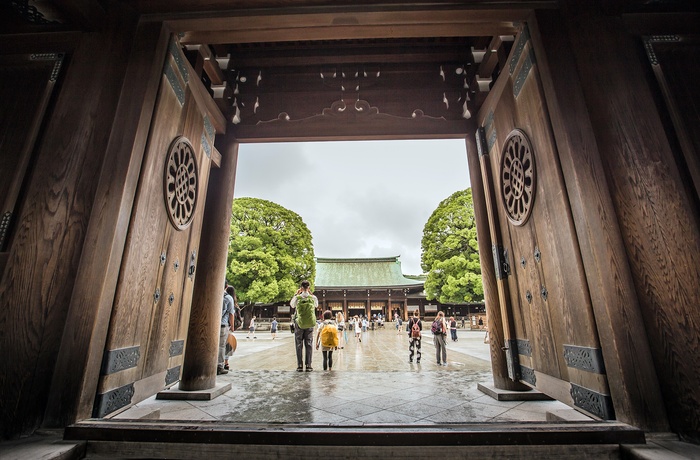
x: 371, y: 382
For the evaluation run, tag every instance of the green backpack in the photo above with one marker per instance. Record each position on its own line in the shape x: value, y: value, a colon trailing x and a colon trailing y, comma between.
x: 305, y: 315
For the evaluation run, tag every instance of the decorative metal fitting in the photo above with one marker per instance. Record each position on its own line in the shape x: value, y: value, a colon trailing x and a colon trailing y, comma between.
x: 528, y: 296
x: 193, y: 267
x: 163, y: 258
x: 522, y: 262
x: 176, y: 265
x: 543, y: 293
x: 156, y: 296
x: 171, y: 298
x: 538, y: 254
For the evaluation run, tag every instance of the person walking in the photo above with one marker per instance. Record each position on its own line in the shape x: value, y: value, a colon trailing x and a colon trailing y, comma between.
x: 226, y: 325
x: 342, y: 330
x: 453, y: 328
x: 415, y: 326
x: 304, y: 303
x: 273, y: 327
x: 358, y: 329
x: 439, y: 330
x: 327, y: 338
x: 251, y: 328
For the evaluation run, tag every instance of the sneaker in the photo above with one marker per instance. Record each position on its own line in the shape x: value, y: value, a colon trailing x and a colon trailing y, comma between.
x: 221, y: 371
x: 410, y: 361
x: 418, y: 361
x: 226, y: 367
x: 300, y: 369
x: 309, y: 369
x: 439, y: 363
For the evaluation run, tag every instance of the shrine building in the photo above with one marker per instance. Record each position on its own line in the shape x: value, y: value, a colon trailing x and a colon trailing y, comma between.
x: 373, y: 286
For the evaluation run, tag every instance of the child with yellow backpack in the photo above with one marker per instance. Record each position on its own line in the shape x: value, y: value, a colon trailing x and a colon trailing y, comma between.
x: 327, y: 339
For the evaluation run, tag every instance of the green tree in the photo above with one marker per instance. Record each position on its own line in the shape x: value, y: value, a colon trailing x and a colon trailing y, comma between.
x: 269, y: 253
x: 450, y: 252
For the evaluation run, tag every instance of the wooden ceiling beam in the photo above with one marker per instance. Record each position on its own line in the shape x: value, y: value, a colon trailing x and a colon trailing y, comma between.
x: 332, y: 55
x: 331, y: 26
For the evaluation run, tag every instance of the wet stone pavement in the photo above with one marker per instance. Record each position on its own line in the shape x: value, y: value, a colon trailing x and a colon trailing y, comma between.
x: 371, y: 382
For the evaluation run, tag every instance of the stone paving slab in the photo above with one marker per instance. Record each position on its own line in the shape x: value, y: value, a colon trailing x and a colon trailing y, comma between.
x: 371, y: 382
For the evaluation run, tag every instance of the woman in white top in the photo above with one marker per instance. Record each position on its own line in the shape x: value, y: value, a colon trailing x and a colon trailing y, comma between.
x: 358, y: 329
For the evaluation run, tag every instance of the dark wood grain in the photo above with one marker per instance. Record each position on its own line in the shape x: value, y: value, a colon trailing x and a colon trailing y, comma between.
x: 631, y: 375
x: 38, y: 281
x: 78, y: 360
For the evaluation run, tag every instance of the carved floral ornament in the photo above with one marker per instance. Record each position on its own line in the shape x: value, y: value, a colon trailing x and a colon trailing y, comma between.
x: 518, y: 177
x: 181, y: 183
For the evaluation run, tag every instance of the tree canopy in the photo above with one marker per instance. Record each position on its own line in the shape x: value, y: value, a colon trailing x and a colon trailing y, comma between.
x: 269, y: 253
x: 450, y: 252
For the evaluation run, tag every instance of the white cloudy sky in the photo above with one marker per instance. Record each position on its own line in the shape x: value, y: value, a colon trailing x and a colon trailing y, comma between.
x: 359, y: 199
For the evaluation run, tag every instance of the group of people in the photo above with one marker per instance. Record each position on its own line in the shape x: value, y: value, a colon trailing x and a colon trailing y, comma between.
x: 332, y: 332
x: 439, y: 328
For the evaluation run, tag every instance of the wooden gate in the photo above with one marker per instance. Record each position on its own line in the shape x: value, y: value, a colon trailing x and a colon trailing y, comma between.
x: 150, y: 314
x: 549, y: 327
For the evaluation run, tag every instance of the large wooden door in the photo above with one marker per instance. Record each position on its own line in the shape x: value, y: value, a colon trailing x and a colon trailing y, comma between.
x: 550, y: 331
x: 150, y: 315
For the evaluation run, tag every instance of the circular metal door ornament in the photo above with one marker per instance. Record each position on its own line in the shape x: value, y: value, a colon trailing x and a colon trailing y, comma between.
x: 518, y: 177
x: 181, y: 183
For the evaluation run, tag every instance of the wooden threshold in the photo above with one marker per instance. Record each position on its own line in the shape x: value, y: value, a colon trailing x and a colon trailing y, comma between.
x: 476, y: 434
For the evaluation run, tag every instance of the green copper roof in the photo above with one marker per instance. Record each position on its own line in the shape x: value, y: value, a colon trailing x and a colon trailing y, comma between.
x: 376, y: 272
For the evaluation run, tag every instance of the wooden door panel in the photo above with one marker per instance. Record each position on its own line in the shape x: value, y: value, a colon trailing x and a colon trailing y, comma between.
x: 152, y: 303
x: 549, y: 299
x: 141, y: 268
x: 164, y: 321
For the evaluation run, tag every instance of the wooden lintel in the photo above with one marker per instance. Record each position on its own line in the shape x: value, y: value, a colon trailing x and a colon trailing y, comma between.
x: 336, y: 26
x: 347, y: 33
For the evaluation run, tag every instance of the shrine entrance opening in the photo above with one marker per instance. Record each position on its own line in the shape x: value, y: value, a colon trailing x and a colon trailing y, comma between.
x: 452, y: 82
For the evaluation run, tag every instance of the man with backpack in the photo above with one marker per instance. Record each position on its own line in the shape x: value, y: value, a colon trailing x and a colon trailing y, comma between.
x: 414, y: 328
x: 304, y: 303
x: 439, y: 330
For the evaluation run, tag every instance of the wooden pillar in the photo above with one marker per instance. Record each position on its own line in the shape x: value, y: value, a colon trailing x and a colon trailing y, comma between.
x: 199, y: 366
x: 499, y: 366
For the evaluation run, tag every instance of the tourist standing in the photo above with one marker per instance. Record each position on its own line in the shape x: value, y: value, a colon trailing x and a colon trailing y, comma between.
x: 226, y: 325
x: 439, y: 330
x: 453, y: 328
x: 327, y: 338
x: 358, y: 329
x: 304, y: 303
x: 251, y: 328
x: 415, y: 326
x: 273, y: 327
x: 237, y: 323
